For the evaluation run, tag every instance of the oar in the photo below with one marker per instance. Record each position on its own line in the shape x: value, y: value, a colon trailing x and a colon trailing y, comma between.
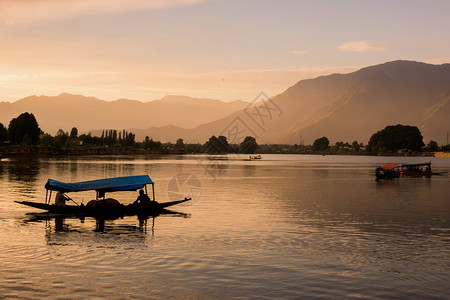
x: 68, y: 198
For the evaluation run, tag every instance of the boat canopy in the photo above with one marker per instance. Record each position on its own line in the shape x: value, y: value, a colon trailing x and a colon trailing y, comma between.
x: 389, y: 167
x: 128, y: 183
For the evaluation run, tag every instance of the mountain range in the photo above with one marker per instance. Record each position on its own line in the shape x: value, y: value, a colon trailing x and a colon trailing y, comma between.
x: 342, y: 107
x: 91, y: 114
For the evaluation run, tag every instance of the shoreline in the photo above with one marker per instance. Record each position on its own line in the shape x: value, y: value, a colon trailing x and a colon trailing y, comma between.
x: 36, y: 151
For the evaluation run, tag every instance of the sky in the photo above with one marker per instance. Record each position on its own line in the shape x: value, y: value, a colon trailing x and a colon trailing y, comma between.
x: 219, y: 49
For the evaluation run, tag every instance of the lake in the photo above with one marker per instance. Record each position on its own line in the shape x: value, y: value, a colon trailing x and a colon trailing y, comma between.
x: 285, y: 226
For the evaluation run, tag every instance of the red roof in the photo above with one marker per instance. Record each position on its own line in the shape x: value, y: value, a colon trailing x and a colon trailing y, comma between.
x: 389, y: 167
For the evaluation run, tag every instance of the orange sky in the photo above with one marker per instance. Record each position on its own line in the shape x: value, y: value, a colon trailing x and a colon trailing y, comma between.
x: 219, y: 49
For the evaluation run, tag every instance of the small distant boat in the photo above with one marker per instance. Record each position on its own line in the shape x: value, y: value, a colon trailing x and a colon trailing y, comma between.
x: 255, y: 156
x: 397, y: 170
x: 102, y: 205
x: 387, y: 171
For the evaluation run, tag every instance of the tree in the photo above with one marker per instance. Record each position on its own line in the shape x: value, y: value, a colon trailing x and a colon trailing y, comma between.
x: 180, y: 144
x: 3, y: 133
x: 433, y: 146
x: 223, y: 144
x: 211, y: 146
x: 396, y: 137
x: 74, y: 133
x: 217, y: 145
x: 46, y: 140
x: 248, y: 146
x: 321, y: 144
x: 129, y: 139
x: 24, y: 129
x: 60, y: 139
x: 356, y: 146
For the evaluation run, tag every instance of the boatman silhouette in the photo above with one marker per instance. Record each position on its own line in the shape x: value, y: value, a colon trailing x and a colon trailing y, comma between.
x: 60, y: 199
x: 142, y: 198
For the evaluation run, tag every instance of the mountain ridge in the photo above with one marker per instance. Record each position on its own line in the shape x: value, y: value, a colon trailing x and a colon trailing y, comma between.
x: 89, y: 113
x: 347, y: 107
x: 342, y: 107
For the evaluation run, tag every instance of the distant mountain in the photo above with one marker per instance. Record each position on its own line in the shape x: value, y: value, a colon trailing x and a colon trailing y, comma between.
x: 86, y: 113
x: 342, y: 107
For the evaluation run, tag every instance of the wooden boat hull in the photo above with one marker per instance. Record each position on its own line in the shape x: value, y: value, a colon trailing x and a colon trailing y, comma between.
x: 387, y: 176
x: 412, y: 173
x: 152, y: 208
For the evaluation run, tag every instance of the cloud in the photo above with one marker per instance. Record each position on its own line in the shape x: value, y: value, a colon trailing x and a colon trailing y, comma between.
x: 23, y: 11
x: 298, y: 52
x: 361, y: 46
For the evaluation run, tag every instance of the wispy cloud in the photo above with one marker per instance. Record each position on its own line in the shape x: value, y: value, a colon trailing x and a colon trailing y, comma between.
x: 21, y: 11
x: 298, y: 52
x: 361, y: 46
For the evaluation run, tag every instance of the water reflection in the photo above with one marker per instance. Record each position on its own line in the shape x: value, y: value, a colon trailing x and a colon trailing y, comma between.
x: 22, y: 175
x: 282, y: 227
x: 2, y: 166
x: 119, y: 231
x: 100, y: 225
x: 24, y: 170
x: 342, y: 200
x: 115, y: 232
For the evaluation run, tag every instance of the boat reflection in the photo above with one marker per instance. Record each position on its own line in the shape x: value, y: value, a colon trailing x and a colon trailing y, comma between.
x: 68, y: 230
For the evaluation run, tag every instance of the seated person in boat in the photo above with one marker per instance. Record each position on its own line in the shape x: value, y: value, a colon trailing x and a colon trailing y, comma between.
x: 60, y: 199
x: 142, y: 198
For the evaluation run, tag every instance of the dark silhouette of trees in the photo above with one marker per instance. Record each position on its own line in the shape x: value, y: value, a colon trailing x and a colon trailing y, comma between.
x: 217, y: 145
x: 60, y: 139
x: 248, y: 146
x: 356, y: 146
x: 46, y: 140
x: 74, y: 133
x: 112, y: 137
x: 396, y: 137
x: 321, y: 144
x: 88, y: 139
x: 180, y: 144
x: 24, y: 129
x: 433, y: 146
x: 3, y: 133
x: 150, y: 144
x: 129, y: 139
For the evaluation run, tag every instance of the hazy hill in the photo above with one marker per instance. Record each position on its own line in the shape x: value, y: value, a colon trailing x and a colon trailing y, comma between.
x: 343, y: 107
x: 86, y: 113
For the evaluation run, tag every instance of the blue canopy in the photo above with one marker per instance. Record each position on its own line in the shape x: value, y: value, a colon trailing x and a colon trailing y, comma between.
x: 129, y: 183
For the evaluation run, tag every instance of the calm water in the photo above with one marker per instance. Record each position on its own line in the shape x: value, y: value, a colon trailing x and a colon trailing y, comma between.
x: 286, y: 226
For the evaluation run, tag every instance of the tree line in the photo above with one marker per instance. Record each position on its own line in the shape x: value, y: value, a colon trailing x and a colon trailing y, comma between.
x: 391, y: 139
x: 25, y: 130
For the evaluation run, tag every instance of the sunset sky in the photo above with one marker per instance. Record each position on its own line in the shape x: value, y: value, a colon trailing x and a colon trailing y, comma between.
x: 222, y: 49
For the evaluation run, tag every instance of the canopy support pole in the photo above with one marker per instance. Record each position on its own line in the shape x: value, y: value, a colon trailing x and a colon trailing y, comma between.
x: 153, y: 189
x: 46, y: 196
x: 50, y: 197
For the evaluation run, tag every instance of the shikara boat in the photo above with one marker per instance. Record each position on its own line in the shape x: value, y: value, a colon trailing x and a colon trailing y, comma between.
x: 387, y: 171
x: 255, y: 156
x: 397, y: 170
x: 102, y: 205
